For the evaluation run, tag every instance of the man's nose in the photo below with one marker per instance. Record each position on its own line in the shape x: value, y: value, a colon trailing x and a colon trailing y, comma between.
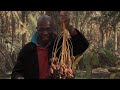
x: 45, y: 32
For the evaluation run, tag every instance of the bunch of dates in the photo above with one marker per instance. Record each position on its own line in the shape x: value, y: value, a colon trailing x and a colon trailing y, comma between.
x: 60, y: 71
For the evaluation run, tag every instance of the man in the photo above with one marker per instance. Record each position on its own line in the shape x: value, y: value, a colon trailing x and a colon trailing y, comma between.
x: 34, y: 58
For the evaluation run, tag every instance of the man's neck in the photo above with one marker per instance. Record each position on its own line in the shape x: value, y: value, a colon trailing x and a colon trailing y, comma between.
x: 43, y: 45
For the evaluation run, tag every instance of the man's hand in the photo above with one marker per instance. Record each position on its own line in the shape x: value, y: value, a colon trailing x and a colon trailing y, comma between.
x: 64, y: 18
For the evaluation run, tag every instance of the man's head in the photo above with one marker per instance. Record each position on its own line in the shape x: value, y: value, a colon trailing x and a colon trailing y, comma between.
x: 44, y: 22
x: 44, y: 27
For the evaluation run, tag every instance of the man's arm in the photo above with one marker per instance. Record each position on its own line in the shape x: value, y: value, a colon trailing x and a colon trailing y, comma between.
x: 80, y: 43
x: 18, y: 69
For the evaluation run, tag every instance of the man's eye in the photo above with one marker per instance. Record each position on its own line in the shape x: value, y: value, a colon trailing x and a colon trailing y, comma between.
x: 48, y: 29
x: 40, y: 30
x: 44, y: 29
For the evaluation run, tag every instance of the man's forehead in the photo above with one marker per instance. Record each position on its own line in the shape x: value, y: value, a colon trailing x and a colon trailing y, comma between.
x: 43, y: 19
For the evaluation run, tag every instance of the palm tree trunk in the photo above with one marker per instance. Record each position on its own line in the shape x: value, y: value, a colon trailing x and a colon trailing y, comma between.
x: 104, y: 39
x: 22, y: 27
x: 116, y: 30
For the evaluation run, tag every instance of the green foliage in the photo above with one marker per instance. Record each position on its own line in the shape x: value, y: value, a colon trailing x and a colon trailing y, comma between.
x: 81, y: 74
x: 95, y: 59
x: 77, y: 60
x: 92, y: 58
x: 108, y: 54
x: 86, y: 58
x: 78, y: 74
x: 109, y: 45
x: 89, y: 60
x: 88, y: 74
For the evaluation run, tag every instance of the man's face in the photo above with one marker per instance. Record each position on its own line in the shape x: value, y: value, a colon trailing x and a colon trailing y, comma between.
x: 45, y: 31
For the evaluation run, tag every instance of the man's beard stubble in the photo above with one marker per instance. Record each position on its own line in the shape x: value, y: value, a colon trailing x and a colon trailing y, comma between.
x: 42, y: 41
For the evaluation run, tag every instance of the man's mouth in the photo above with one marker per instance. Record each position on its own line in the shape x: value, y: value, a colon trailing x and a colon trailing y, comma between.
x: 45, y: 37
